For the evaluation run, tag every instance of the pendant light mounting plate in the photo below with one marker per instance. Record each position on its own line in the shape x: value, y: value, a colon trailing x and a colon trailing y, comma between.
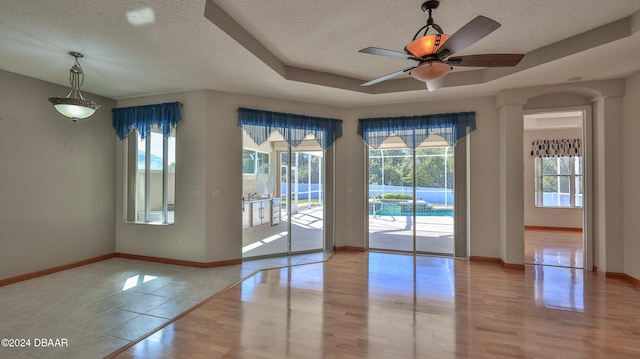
x: 76, y: 54
x: 430, y: 5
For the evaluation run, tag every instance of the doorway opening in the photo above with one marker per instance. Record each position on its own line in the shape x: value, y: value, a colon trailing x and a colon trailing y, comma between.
x: 554, y: 188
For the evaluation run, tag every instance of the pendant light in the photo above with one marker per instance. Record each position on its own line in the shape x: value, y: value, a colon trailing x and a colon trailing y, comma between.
x: 74, y: 105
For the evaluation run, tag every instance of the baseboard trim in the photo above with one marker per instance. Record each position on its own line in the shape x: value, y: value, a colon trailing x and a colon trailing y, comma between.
x: 632, y: 280
x: 349, y: 249
x: 497, y: 261
x: 486, y: 259
x: 622, y: 276
x: 547, y: 228
x: 178, y: 261
x: 52, y: 270
x: 512, y: 266
x: 616, y: 275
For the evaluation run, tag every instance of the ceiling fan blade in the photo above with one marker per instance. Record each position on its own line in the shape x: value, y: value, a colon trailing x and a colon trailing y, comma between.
x: 385, y: 52
x: 486, y: 60
x: 435, y: 84
x: 389, y: 76
x: 473, y: 31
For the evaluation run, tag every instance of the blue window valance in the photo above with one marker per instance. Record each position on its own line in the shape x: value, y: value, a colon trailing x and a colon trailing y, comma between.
x: 142, y: 118
x: 413, y: 130
x: 294, y: 128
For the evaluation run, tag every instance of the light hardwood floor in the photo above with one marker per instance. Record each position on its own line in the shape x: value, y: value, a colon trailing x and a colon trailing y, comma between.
x: 555, y: 247
x: 380, y: 305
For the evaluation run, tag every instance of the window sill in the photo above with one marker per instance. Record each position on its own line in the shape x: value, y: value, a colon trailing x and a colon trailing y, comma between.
x: 556, y: 207
x: 151, y: 223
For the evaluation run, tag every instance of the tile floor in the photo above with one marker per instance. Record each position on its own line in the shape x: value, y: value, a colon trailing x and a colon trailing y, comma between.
x: 93, y: 310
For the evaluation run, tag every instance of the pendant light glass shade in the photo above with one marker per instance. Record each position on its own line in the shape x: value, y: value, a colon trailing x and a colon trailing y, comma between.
x: 74, y: 105
x: 430, y: 71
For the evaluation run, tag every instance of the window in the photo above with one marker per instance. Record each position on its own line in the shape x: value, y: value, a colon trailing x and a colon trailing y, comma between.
x: 558, y: 182
x: 252, y: 160
x: 151, y: 168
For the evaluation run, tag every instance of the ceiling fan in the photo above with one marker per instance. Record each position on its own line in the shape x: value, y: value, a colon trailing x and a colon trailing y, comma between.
x: 433, y: 51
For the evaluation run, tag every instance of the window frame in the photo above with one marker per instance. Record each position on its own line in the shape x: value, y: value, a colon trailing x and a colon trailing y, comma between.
x: 132, y: 166
x: 256, y: 160
x: 572, y: 176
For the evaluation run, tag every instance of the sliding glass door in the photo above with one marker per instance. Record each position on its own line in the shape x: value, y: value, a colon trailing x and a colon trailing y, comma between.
x: 283, y: 209
x: 411, y: 198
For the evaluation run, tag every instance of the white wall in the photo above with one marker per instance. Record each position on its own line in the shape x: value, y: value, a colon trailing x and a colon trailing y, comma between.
x: 185, y: 239
x: 209, y: 184
x: 57, y: 200
x: 538, y: 216
x: 631, y: 176
x: 209, y: 228
x: 57, y: 189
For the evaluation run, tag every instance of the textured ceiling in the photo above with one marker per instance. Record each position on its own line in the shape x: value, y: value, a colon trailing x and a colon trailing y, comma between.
x: 308, y: 50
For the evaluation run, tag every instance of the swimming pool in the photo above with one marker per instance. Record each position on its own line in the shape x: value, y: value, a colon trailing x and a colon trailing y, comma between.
x: 389, y: 211
x: 419, y: 214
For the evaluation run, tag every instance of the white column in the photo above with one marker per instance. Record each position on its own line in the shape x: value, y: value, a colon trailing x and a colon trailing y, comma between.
x: 608, y: 201
x: 511, y: 184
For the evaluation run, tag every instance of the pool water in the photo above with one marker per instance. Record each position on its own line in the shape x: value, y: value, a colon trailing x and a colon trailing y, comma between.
x: 386, y: 212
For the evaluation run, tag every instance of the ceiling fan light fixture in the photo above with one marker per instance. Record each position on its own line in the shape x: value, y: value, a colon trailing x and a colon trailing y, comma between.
x: 433, y: 51
x: 74, y: 105
x: 426, y: 45
x: 430, y: 71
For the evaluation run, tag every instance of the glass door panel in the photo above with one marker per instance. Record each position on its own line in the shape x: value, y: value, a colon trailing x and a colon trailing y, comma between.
x: 264, y: 231
x: 390, y: 193
x: 434, y: 205
x: 305, y: 187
